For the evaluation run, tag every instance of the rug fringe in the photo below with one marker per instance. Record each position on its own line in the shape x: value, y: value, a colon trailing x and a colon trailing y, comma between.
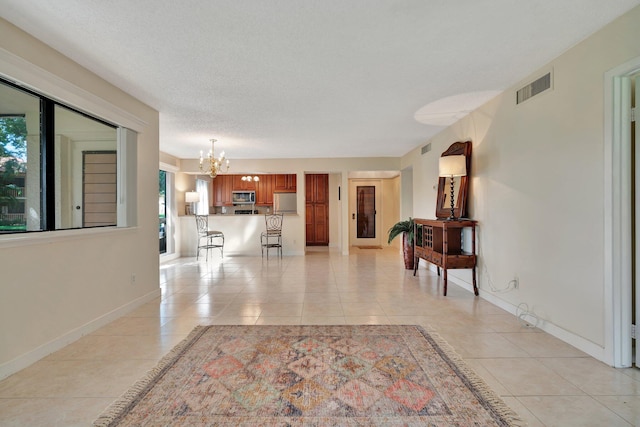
x: 478, y: 384
x: 121, y: 406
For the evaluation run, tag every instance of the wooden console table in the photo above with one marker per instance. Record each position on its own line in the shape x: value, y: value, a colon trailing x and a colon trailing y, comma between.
x: 439, y: 241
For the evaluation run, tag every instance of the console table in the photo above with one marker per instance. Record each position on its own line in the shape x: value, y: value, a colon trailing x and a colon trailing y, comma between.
x: 439, y: 241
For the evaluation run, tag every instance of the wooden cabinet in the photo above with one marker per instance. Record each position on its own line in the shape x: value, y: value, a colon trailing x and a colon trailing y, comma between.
x: 223, y: 185
x: 264, y: 190
x: 240, y: 185
x: 285, y: 183
x: 317, y: 209
x: 440, y: 242
x: 221, y: 190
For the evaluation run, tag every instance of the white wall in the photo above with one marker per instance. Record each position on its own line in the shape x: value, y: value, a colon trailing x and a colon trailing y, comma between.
x: 57, y: 286
x: 537, y: 188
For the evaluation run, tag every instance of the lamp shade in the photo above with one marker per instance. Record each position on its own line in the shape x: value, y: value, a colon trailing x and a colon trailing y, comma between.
x: 452, y: 166
x: 191, y: 197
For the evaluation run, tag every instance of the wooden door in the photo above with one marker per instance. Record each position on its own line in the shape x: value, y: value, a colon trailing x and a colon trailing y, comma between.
x: 364, y: 204
x: 317, y: 209
x: 99, y: 188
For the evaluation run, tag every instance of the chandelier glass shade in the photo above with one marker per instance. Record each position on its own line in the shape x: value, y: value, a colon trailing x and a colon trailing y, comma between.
x: 211, y: 165
x: 251, y: 178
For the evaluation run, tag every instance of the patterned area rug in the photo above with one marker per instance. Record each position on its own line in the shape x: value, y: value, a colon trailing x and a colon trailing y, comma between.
x: 310, y: 376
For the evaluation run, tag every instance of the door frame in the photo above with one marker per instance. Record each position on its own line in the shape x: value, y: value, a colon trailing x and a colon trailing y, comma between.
x: 353, y: 199
x: 618, y: 262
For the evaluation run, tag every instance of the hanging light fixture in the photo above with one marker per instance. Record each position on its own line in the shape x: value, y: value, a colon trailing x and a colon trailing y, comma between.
x: 251, y: 178
x: 213, y: 166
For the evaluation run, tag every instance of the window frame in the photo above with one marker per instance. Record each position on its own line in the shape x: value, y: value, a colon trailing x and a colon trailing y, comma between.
x: 126, y: 140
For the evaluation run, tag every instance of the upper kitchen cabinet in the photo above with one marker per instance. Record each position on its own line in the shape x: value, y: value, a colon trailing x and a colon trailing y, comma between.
x: 285, y: 183
x: 240, y: 185
x: 264, y: 190
x: 222, y: 187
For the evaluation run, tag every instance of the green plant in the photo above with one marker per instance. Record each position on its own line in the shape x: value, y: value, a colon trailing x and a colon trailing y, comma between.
x: 400, y: 227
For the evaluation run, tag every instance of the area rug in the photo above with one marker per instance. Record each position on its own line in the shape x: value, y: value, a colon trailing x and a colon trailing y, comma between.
x: 370, y: 375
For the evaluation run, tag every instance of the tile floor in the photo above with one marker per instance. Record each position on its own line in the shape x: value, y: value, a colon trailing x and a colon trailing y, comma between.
x: 548, y: 382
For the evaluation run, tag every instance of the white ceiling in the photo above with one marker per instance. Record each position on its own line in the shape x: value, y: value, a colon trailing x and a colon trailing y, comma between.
x: 310, y: 78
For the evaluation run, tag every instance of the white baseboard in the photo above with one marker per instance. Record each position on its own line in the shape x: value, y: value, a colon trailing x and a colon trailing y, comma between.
x: 582, y: 344
x: 29, y: 358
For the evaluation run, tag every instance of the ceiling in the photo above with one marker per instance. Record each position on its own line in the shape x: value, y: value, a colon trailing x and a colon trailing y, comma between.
x: 310, y: 78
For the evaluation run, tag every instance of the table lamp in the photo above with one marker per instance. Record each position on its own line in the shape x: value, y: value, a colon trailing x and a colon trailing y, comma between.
x: 192, y: 197
x: 452, y: 166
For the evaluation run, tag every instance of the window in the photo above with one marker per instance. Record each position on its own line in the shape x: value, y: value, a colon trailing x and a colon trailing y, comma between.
x: 59, y: 168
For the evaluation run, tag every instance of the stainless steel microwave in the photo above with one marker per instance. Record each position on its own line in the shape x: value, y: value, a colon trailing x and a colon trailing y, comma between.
x: 243, y: 197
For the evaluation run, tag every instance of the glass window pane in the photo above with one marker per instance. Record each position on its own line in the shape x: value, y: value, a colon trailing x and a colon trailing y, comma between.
x: 366, y: 212
x: 19, y: 161
x: 85, y: 171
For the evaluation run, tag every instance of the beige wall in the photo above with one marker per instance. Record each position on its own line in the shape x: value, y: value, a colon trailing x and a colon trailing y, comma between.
x: 537, y: 188
x: 59, y: 285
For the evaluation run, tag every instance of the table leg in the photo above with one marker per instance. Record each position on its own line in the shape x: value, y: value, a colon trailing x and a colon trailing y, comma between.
x: 415, y: 264
x: 445, y: 281
x: 475, y: 287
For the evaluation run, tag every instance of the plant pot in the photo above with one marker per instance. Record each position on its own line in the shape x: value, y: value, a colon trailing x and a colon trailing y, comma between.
x: 407, y: 250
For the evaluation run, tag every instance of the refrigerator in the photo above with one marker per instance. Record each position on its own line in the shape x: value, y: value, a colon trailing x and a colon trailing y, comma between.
x: 285, y: 203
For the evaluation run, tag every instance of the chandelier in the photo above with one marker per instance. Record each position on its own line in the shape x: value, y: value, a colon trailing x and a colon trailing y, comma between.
x: 213, y: 166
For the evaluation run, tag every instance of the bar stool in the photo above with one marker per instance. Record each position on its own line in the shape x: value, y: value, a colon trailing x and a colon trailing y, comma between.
x: 208, y: 239
x: 272, y: 236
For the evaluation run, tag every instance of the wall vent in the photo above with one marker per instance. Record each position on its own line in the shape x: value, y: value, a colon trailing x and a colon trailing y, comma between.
x: 426, y: 148
x: 534, y: 88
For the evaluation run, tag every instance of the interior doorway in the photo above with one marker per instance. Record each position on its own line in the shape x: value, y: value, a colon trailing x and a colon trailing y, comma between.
x: 365, y: 200
x: 619, y: 207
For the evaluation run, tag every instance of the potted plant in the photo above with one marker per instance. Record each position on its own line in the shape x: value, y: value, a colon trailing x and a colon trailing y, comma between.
x: 406, y: 229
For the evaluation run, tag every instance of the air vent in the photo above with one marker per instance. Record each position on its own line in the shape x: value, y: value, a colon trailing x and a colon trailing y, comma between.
x: 426, y: 148
x: 534, y: 88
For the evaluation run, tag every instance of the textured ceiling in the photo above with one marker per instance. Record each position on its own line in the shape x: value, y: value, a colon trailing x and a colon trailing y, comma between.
x: 310, y: 78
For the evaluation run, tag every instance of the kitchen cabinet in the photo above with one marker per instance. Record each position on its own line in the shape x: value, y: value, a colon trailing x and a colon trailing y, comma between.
x: 240, y: 185
x: 264, y: 190
x: 221, y: 189
x: 285, y: 183
x: 317, y: 209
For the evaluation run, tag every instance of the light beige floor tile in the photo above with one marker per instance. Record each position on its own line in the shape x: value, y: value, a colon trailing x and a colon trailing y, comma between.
x: 72, y: 412
x: 290, y: 320
x: 238, y: 308
x: 282, y: 309
x: 593, y: 377
x: 120, y: 347
x: 366, y: 320
x: 75, y: 378
x: 572, y: 411
x: 323, y: 320
x: 543, y: 345
x: 483, y: 345
x: 528, y: 377
x: 526, y: 415
x: 488, y: 378
x: 322, y: 309
x: 628, y: 407
x: 363, y: 309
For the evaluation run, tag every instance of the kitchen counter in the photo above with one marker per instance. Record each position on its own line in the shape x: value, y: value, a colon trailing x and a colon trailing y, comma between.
x: 242, y: 234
